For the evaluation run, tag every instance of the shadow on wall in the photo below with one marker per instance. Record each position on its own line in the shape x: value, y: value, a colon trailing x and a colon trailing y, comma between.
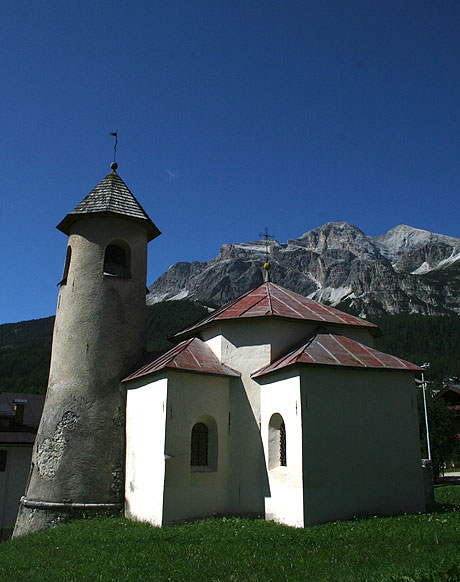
x: 248, y: 477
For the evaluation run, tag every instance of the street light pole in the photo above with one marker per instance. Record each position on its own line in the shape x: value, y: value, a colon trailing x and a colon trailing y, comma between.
x: 424, y: 367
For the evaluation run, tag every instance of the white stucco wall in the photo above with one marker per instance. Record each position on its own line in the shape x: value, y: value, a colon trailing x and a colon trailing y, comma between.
x: 145, y: 449
x: 247, y: 345
x: 244, y: 348
x: 13, y: 481
x: 361, y: 446
x: 160, y: 416
x: 284, y: 503
x: 196, y: 492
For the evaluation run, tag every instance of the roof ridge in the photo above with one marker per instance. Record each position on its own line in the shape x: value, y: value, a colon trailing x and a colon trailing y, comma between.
x: 356, y: 355
x: 269, y: 297
x: 186, y: 357
x: 111, y: 177
x: 299, y: 346
x: 215, y: 313
x: 282, y: 303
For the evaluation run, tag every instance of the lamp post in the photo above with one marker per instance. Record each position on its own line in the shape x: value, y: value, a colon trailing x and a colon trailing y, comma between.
x: 424, y: 367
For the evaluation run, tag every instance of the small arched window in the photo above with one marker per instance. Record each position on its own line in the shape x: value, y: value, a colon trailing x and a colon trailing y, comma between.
x: 276, y: 442
x: 65, y: 274
x: 117, y: 260
x: 199, y: 445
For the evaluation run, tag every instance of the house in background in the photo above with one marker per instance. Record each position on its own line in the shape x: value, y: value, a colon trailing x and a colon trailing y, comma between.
x: 19, y: 419
x: 450, y: 392
x: 278, y: 406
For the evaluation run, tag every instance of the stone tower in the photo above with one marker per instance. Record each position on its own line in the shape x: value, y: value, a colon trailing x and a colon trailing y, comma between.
x: 99, y: 334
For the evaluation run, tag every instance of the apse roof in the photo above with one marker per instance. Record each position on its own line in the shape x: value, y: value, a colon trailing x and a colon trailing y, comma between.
x: 328, y: 349
x: 191, y: 355
x: 111, y: 196
x: 272, y: 300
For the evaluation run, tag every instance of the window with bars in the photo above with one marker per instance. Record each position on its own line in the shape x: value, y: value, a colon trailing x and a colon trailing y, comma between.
x: 199, y: 445
x: 283, y: 445
x: 277, y: 442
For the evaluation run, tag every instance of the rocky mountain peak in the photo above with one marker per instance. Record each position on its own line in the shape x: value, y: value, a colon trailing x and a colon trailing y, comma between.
x: 404, y: 270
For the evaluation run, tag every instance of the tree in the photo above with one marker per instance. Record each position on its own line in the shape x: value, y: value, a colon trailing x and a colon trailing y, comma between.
x: 443, y: 422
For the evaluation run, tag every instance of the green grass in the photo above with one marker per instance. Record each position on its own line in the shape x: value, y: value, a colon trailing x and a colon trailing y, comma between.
x: 410, y: 547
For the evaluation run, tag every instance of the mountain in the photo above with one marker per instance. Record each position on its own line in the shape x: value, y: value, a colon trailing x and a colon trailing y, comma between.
x: 406, y: 270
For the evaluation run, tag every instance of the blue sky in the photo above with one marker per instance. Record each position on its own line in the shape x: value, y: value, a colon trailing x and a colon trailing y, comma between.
x: 232, y: 116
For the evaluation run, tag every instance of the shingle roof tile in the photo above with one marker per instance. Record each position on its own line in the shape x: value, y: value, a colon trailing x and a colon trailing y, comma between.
x: 110, y: 196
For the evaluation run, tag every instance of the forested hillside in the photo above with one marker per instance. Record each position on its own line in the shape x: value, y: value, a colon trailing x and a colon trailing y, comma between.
x: 419, y: 339
x: 25, y: 346
x: 25, y: 349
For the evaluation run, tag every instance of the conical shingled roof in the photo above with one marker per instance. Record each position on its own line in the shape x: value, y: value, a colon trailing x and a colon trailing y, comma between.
x: 111, y: 196
x: 191, y: 355
x: 272, y: 300
x: 327, y: 349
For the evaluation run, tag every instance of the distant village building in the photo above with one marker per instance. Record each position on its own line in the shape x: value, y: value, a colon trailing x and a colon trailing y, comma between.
x: 274, y: 405
x: 19, y: 419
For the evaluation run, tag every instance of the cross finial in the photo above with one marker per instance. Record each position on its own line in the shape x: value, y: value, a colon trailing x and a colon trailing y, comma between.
x: 266, y: 237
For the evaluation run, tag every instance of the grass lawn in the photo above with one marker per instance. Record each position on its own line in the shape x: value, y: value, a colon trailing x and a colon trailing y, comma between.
x: 404, y: 548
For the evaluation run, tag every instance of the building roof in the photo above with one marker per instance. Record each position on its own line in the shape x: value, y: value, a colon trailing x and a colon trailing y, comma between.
x: 328, y: 349
x: 448, y: 390
x: 272, y: 300
x: 110, y: 197
x: 191, y: 355
x: 10, y: 432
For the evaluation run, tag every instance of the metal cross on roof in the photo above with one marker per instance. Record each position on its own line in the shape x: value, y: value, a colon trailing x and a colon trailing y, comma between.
x: 266, y: 237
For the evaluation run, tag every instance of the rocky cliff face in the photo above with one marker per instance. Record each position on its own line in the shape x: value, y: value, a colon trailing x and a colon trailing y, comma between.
x: 405, y: 270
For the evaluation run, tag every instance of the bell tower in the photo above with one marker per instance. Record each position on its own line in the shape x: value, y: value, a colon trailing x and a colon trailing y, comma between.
x: 99, y: 334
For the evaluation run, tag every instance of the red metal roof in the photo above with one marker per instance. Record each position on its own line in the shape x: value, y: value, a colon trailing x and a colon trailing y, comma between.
x: 327, y: 349
x: 272, y: 300
x: 192, y: 355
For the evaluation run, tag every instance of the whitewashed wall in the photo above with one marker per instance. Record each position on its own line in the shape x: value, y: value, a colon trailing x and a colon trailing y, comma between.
x: 196, y: 492
x: 245, y: 347
x: 284, y: 503
x: 145, y: 448
x: 13, y: 481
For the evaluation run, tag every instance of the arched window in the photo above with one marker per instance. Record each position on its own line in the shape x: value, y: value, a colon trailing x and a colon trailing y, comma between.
x: 276, y: 442
x: 117, y: 260
x: 199, y: 445
x: 68, y: 256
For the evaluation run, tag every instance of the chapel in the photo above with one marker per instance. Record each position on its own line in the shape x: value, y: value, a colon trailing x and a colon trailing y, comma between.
x: 274, y: 405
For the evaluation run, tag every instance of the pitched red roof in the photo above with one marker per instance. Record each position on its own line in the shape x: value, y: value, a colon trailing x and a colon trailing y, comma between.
x: 192, y: 355
x: 327, y: 349
x: 272, y: 300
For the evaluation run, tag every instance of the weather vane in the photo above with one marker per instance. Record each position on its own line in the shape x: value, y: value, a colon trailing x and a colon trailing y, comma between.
x: 267, y: 237
x: 114, y: 163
